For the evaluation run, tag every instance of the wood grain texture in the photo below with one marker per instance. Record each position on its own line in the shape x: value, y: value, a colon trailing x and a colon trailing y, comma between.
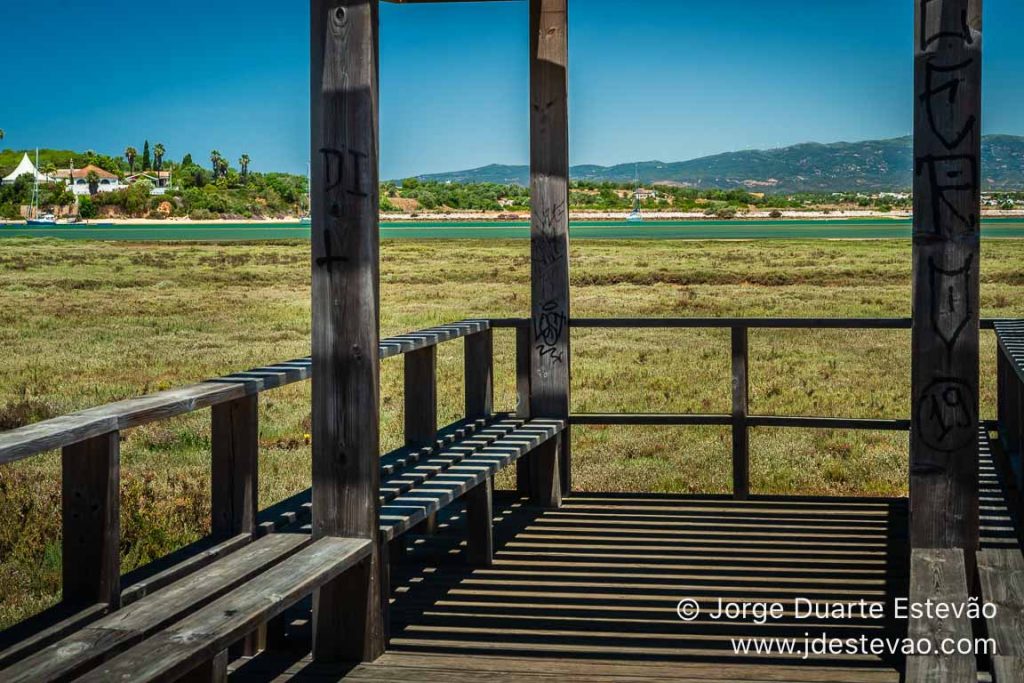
x: 946, y: 255
x: 118, y: 630
x: 1001, y: 575
x: 345, y: 240
x: 91, y: 521
x: 174, y: 652
x: 234, y: 469
x: 549, y: 225
x: 939, y: 575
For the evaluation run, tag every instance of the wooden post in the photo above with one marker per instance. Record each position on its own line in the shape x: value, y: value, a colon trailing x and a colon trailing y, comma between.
x: 545, y: 489
x: 479, y: 374
x: 524, y: 354
x: 480, y: 522
x: 348, y: 620
x: 421, y: 397
x: 549, y: 226
x: 235, y: 436
x: 91, y: 521
x: 740, y: 399
x: 233, y: 482
x: 947, y: 207
x: 421, y: 410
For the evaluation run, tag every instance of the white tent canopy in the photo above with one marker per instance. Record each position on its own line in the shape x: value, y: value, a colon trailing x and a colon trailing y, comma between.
x: 26, y: 166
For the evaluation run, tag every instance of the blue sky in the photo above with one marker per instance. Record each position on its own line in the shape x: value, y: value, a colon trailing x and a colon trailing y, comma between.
x: 669, y: 80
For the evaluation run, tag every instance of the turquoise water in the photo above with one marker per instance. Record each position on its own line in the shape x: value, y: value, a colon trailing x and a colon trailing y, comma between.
x: 694, y: 230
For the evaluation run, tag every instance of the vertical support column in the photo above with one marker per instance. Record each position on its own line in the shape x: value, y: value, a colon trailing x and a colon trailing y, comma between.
x: 421, y: 397
x: 479, y: 374
x: 480, y: 520
x: 524, y: 351
x: 549, y: 227
x: 740, y: 430
x: 947, y: 207
x: 421, y: 410
x: 348, y: 613
x: 234, y: 471
x: 91, y: 520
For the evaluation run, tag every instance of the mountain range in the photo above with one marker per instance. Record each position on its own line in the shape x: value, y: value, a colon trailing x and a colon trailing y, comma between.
x: 868, y: 166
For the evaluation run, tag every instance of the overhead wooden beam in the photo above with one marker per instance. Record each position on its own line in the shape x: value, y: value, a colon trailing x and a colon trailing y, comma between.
x: 947, y: 206
x: 347, y: 613
x: 549, y: 224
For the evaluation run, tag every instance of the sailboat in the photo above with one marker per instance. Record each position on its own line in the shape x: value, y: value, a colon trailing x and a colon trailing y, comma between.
x: 635, y: 216
x: 308, y: 218
x: 36, y: 219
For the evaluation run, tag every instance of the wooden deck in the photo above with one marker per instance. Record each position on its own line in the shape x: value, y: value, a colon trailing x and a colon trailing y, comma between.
x: 589, y: 592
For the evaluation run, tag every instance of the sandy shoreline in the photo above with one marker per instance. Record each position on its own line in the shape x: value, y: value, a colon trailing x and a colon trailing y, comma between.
x: 469, y: 216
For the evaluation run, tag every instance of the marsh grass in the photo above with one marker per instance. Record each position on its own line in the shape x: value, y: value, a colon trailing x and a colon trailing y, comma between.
x: 86, y: 323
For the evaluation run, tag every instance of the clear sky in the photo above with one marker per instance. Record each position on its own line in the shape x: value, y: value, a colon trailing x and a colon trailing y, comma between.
x: 667, y: 79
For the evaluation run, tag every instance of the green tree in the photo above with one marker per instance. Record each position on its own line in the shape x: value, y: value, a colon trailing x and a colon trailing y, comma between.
x: 146, y: 163
x: 187, y: 160
x: 215, y: 159
x: 130, y: 153
x: 243, y: 163
x: 93, y: 178
x: 158, y: 156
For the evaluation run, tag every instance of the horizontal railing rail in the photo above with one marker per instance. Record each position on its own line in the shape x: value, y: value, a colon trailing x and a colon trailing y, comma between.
x: 66, y: 430
x: 740, y: 418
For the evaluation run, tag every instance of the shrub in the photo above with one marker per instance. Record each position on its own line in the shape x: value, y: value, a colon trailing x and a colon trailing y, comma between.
x: 775, y: 214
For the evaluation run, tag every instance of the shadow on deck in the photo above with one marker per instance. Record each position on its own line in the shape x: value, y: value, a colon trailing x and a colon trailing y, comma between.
x: 590, y: 592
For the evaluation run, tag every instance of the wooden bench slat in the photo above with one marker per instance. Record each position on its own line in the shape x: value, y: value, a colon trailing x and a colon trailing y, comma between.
x: 1001, y: 575
x: 203, y: 635
x: 939, y: 575
x: 122, y: 628
x: 408, y: 509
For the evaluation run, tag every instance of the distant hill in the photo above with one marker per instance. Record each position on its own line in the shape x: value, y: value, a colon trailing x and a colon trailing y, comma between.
x: 870, y: 166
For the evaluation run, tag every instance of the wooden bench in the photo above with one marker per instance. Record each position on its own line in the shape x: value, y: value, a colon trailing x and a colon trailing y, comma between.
x: 200, y: 640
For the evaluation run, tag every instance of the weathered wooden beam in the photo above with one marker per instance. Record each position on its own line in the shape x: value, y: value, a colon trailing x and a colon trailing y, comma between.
x: 480, y: 523
x: 347, y: 614
x: 479, y: 374
x: 947, y: 206
x: 421, y: 397
x: 235, y: 463
x: 740, y: 402
x: 545, y: 489
x: 91, y: 521
x: 1001, y: 576
x: 524, y: 353
x: 549, y: 223
x: 939, y: 575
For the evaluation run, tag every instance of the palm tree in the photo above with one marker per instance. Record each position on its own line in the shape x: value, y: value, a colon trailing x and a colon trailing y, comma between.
x: 243, y: 162
x: 215, y: 159
x: 158, y: 156
x: 1, y: 133
x: 130, y: 153
x: 93, y: 178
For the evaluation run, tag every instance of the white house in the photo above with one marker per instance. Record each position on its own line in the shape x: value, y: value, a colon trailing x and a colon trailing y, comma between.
x: 79, y: 180
x: 160, y: 180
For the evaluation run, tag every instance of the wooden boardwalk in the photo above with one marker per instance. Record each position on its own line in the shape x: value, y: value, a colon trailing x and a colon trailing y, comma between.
x: 589, y: 592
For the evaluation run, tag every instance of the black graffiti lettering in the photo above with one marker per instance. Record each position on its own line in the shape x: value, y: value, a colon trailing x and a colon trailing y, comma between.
x: 953, y: 181
x: 549, y: 330
x: 327, y: 240
x: 952, y: 308
x: 945, y: 417
x: 943, y: 83
x: 344, y: 169
x: 945, y: 24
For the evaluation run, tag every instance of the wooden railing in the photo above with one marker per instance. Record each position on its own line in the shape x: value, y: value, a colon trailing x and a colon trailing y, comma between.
x: 90, y: 442
x: 739, y: 418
